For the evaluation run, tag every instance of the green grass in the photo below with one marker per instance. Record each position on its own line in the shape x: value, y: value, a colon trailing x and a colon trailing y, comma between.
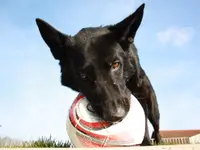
x: 42, y: 143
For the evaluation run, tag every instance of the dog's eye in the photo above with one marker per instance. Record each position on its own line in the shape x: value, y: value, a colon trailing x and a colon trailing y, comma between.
x: 115, y: 65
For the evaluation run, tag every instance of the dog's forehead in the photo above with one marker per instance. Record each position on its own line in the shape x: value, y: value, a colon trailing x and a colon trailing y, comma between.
x: 97, y: 43
x: 102, y: 49
x: 87, y: 34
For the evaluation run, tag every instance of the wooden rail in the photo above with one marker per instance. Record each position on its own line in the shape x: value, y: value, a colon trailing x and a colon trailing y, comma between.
x: 166, y: 147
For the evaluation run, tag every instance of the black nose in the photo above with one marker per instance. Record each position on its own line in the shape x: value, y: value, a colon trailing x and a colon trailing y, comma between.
x: 115, y: 116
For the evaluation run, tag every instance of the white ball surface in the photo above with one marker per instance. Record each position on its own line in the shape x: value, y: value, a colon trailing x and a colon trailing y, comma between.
x: 86, y: 129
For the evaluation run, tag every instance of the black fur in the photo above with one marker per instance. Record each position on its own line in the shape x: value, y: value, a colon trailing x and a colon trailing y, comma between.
x: 103, y: 64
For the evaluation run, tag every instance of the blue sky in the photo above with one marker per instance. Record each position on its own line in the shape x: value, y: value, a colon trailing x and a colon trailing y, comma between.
x: 32, y: 101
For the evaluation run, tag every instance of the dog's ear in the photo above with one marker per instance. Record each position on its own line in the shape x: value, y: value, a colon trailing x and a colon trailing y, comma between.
x: 127, y: 28
x: 53, y: 38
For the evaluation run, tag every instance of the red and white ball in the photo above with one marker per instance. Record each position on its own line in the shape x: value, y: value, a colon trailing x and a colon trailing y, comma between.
x: 86, y: 129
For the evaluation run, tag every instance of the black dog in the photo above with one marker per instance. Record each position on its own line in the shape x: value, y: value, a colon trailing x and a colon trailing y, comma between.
x: 103, y: 64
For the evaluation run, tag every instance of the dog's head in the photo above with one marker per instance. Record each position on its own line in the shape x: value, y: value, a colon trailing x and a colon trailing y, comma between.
x: 98, y: 62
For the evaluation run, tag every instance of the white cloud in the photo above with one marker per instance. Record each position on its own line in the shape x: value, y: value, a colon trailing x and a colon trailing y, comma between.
x: 177, y: 36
